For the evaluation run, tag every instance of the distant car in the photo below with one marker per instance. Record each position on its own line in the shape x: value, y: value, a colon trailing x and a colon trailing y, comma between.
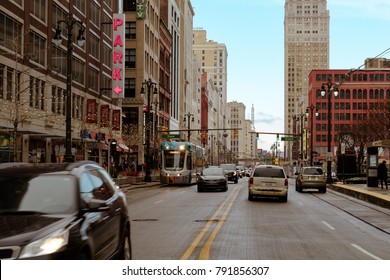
x: 230, y: 170
x: 268, y: 181
x: 311, y: 177
x: 212, y: 179
x: 62, y: 211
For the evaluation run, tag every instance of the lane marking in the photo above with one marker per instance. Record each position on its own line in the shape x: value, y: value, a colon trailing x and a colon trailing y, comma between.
x: 205, y: 253
x: 203, y: 231
x: 365, y: 252
x: 300, y: 203
x: 328, y: 225
x: 158, y: 201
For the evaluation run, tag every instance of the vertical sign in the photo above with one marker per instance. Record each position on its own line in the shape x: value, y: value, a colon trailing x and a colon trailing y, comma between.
x: 116, y: 120
x: 118, y: 50
x: 104, y: 115
x: 91, y: 111
x: 141, y: 9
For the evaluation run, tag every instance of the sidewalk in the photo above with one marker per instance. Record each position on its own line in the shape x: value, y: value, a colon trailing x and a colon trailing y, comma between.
x: 374, y: 195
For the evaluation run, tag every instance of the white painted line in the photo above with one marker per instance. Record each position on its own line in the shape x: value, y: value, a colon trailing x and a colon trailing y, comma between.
x: 365, y: 252
x: 182, y: 191
x: 300, y: 203
x: 157, y: 202
x: 328, y: 225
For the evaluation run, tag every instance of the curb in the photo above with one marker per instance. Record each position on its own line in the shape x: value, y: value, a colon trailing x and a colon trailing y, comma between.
x: 368, y: 196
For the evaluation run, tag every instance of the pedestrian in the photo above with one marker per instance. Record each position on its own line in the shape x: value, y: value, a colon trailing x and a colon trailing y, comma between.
x: 382, y: 174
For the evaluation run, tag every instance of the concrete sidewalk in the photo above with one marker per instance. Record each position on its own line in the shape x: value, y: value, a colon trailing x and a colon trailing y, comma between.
x: 374, y: 195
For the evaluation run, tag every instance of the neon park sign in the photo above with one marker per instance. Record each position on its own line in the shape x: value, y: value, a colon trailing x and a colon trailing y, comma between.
x: 118, y: 50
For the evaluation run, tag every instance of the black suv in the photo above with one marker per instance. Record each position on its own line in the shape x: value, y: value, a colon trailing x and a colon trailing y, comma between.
x: 230, y: 170
x: 62, y: 211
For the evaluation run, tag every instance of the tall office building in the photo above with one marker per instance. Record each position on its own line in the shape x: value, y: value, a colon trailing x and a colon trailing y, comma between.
x: 306, y: 47
x: 213, y: 58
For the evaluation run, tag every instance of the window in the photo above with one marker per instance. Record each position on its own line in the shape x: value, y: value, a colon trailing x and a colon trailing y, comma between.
x: 130, y: 55
x: 95, y: 11
x: 130, y: 30
x: 93, y: 79
x: 129, y: 88
x: 38, y: 9
x: 80, y: 5
x: 37, y: 48
x: 129, y: 6
x: 93, y: 45
x: 10, y: 33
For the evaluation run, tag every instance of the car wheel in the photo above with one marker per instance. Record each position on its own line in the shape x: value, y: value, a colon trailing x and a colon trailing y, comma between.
x: 323, y: 190
x: 225, y: 188
x: 236, y: 181
x: 200, y: 189
x: 284, y: 198
x: 125, y: 251
x: 250, y: 196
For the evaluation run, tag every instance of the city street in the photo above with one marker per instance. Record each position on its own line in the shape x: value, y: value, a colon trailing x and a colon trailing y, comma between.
x: 170, y: 222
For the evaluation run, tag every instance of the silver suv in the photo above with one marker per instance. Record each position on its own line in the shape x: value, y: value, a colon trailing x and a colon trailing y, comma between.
x: 268, y: 181
x: 230, y: 170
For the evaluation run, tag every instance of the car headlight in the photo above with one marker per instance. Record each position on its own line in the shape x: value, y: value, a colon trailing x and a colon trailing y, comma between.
x: 46, y: 245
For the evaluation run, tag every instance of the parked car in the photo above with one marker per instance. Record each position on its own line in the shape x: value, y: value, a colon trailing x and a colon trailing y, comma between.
x: 212, y: 179
x: 310, y: 177
x: 230, y: 170
x: 268, y: 181
x: 62, y: 211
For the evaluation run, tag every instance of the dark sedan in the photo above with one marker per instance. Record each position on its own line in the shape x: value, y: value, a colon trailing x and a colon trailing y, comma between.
x: 212, y: 179
x: 62, y: 211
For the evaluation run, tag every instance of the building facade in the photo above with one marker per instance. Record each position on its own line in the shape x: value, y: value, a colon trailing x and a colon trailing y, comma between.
x: 306, y: 47
x: 34, y: 73
x: 360, y: 110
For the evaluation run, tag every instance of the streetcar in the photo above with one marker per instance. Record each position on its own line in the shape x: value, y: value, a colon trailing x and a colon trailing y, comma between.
x: 181, y: 162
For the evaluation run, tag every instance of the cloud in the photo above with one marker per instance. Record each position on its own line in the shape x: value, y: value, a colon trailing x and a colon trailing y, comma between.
x: 264, y: 118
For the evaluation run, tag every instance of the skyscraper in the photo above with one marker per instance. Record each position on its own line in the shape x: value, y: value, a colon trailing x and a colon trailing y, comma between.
x: 306, y: 47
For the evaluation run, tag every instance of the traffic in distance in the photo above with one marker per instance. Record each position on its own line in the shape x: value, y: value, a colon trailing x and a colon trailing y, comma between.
x: 195, y: 211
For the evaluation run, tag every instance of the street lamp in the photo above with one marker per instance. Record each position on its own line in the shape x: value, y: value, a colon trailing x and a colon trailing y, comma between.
x: 311, y: 110
x: 188, y: 116
x: 149, y: 84
x: 69, y: 22
x: 328, y: 88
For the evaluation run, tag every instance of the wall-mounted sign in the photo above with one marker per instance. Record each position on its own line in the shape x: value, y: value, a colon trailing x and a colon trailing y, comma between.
x: 141, y: 9
x: 118, y: 50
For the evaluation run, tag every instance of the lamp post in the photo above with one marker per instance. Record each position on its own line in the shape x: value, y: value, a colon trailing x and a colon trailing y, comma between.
x: 69, y: 22
x: 188, y: 116
x: 310, y: 110
x: 149, y: 84
x: 300, y: 118
x: 328, y: 88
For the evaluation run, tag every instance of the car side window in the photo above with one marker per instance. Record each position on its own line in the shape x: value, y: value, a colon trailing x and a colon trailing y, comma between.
x: 94, y: 185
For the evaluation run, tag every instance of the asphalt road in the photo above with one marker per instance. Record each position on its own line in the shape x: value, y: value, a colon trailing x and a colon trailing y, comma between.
x: 173, y: 223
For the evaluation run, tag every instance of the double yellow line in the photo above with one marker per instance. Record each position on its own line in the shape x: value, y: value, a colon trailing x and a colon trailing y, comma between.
x: 225, y: 209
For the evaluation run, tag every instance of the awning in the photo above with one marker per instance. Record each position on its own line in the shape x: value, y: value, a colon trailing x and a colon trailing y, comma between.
x: 123, y: 147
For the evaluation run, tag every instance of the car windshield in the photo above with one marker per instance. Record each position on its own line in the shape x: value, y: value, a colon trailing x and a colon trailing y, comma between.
x: 43, y: 194
x: 213, y: 171
x: 269, y: 172
x: 312, y: 171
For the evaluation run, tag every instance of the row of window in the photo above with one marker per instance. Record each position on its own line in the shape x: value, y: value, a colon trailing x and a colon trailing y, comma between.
x: 358, y: 94
x: 361, y: 77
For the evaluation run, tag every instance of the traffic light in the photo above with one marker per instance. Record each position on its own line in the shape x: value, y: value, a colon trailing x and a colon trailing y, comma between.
x: 257, y: 136
x: 277, y: 161
x: 277, y: 137
x: 113, y: 147
x: 235, y: 133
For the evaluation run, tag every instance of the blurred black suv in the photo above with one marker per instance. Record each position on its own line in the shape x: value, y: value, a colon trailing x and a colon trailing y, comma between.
x: 62, y: 211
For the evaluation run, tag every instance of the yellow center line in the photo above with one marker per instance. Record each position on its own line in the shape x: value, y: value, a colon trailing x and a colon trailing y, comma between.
x: 203, y: 231
x: 205, y: 253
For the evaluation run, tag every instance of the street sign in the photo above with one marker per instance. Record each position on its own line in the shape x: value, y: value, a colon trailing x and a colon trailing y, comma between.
x: 170, y: 136
x: 290, y: 138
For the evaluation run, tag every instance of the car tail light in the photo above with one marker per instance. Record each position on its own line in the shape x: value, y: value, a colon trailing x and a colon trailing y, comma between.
x: 251, y: 180
x: 286, y: 182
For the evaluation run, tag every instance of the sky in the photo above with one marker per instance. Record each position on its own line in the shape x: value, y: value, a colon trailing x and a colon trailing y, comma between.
x: 253, y: 32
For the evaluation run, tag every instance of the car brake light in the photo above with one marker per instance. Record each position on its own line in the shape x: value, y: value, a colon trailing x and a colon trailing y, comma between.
x: 286, y: 182
x: 251, y: 180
